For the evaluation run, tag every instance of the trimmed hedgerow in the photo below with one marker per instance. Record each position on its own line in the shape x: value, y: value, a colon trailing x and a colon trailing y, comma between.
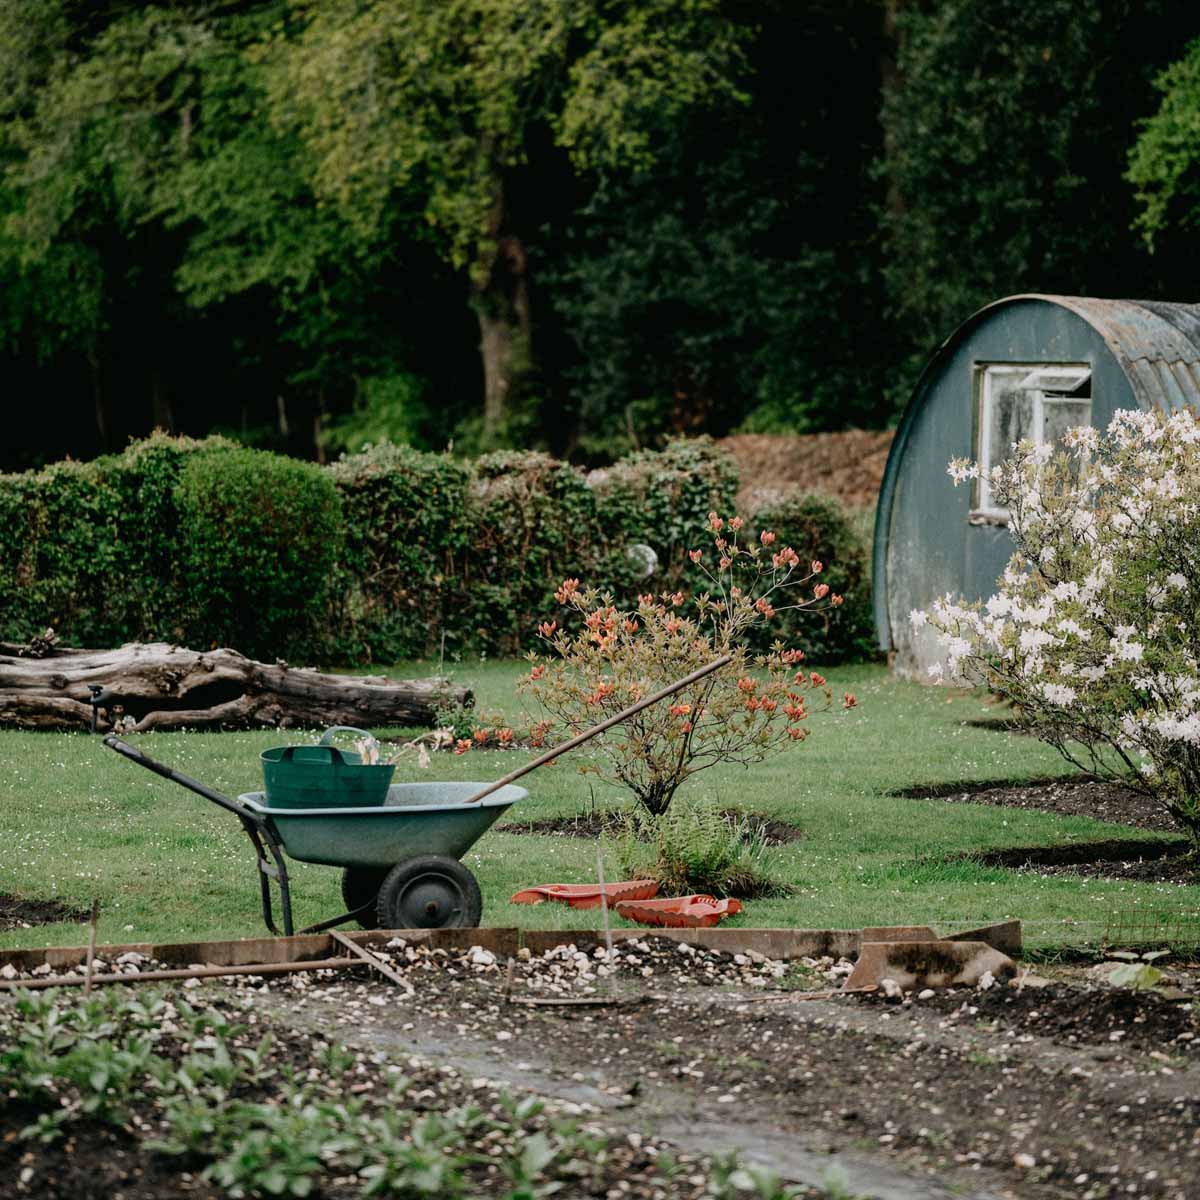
x: 92, y: 548
x: 388, y: 554
x: 818, y: 527
x: 260, y: 537
x: 533, y: 523
x: 406, y: 535
x: 661, y: 500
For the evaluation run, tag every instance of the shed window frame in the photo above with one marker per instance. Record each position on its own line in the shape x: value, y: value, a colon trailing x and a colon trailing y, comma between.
x: 983, y: 510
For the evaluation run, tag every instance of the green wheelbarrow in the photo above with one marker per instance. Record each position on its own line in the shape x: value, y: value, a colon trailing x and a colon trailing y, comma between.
x: 400, y: 859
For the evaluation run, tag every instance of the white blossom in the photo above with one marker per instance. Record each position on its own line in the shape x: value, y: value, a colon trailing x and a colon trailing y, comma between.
x: 1069, y: 631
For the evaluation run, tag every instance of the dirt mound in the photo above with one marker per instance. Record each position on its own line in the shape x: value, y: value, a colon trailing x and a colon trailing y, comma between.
x: 16, y: 912
x: 1069, y: 796
x: 847, y: 465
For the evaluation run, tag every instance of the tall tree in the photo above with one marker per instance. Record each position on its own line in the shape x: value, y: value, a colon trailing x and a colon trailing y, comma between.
x: 738, y: 278
x: 1164, y: 164
x: 1007, y: 133
x: 433, y: 106
x: 153, y: 218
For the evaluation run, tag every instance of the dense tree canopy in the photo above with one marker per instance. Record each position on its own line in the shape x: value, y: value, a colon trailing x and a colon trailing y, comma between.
x: 582, y: 224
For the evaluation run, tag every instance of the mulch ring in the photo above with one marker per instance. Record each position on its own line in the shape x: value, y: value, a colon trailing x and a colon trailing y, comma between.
x: 16, y: 912
x: 1158, y: 861
x: 610, y: 822
x: 1069, y: 796
x: 1161, y: 860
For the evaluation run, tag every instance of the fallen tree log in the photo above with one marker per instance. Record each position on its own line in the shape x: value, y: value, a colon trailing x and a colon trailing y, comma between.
x: 152, y: 685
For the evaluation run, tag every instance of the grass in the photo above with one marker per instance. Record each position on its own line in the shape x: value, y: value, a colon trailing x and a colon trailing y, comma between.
x: 77, y: 822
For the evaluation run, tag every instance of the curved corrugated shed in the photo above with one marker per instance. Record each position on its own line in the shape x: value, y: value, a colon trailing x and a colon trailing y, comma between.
x: 1154, y: 345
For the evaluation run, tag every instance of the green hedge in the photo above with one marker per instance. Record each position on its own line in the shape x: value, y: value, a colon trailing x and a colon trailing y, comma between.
x: 385, y: 555
x: 817, y: 527
x: 259, y: 538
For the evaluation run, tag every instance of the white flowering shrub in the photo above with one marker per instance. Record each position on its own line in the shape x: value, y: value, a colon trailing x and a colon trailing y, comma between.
x: 1094, y: 630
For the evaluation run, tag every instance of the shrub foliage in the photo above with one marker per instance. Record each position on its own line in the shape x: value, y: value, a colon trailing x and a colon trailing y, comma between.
x: 1092, y: 630
x: 387, y: 554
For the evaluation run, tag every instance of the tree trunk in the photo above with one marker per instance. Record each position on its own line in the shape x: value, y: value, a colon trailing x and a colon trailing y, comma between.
x: 162, y: 414
x: 98, y: 402
x: 890, y: 82
x: 159, y: 686
x: 500, y: 297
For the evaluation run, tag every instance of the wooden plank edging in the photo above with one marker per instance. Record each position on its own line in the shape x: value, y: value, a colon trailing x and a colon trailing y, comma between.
x: 501, y: 941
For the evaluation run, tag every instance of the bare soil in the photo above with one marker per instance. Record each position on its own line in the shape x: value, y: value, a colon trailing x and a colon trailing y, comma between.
x: 848, y: 465
x: 997, y: 1093
x: 1069, y: 796
x: 1072, y: 1089
x: 16, y: 912
x: 1161, y: 860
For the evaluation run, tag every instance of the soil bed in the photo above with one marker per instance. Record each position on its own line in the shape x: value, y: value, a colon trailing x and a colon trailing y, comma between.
x: 996, y: 1093
x: 18, y: 913
x: 1072, y: 796
x: 610, y: 822
x: 1006, y: 1092
x: 1163, y: 860
x: 1166, y: 861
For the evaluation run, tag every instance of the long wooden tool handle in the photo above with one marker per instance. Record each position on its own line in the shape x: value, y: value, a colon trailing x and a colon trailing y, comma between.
x: 588, y: 734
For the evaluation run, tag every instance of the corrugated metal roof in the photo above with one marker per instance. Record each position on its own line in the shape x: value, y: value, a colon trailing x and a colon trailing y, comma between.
x: 1156, y: 343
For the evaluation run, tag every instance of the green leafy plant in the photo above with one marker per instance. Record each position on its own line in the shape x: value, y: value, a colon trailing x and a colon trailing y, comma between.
x: 1137, y: 972
x: 824, y: 528
x: 695, y: 847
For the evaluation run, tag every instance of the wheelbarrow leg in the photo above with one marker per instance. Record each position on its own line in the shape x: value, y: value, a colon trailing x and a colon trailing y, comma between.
x: 267, y: 871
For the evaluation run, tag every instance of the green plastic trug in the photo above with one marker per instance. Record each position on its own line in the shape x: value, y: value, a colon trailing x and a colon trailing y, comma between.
x: 322, y: 777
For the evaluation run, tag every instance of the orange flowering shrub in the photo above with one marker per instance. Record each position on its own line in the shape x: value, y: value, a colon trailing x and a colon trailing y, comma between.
x: 753, y: 706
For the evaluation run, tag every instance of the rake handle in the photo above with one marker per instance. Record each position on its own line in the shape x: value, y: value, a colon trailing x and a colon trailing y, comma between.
x: 588, y: 734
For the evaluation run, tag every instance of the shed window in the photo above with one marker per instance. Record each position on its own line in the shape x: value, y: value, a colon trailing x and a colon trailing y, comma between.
x: 1023, y: 401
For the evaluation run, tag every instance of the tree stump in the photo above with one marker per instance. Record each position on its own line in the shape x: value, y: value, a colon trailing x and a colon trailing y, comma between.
x: 152, y: 685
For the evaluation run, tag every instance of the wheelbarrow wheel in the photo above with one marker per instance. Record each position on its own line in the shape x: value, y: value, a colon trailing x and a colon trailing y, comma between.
x: 429, y: 892
x: 360, y: 889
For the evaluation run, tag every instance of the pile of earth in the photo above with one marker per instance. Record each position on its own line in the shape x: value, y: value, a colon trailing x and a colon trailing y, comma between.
x: 17, y: 912
x: 848, y: 465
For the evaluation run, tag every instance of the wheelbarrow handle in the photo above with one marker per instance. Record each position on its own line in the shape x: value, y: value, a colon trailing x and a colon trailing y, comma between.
x: 144, y: 760
x: 588, y: 734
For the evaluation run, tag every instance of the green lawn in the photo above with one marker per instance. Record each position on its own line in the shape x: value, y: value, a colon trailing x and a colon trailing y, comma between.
x: 77, y: 822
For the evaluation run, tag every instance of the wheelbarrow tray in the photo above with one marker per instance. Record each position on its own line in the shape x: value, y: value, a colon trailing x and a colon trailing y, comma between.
x: 416, y: 819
